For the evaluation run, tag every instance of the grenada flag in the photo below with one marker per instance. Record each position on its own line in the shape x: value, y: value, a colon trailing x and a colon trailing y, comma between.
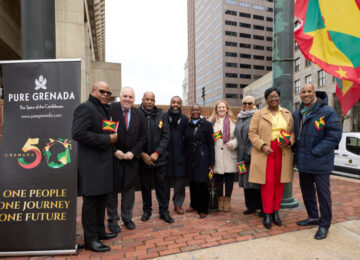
x: 348, y: 93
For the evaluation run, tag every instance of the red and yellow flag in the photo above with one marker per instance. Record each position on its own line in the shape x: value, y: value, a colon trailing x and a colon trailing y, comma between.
x: 217, y: 135
x: 241, y: 167
x: 108, y: 125
x: 284, y: 137
x: 348, y: 93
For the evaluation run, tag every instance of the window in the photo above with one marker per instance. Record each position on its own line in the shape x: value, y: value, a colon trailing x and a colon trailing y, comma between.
x: 308, y: 79
x: 297, y: 64
x: 230, y: 54
x: 230, y: 2
x: 245, y: 76
x: 228, y: 95
x: 268, y: 68
x: 245, y: 56
x: 232, y: 23
x: 258, y: 17
x: 229, y: 33
x: 246, y: 15
x: 245, y: 66
x: 231, y: 85
x: 230, y: 12
x: 257, y: 67
x: 247, y: 5
x: 269, y: 19
x: 232, y: 44
x: 353, y: 145
x: 257, y: 57
x: 243, y: 85
x: 296, y: 46
x: 297, y: 86
x: 333, y: 78
x: 268, y: 58
x: 245, y: 45
x: 245, y: 35
x: 269, y: 39
x: 321, y: 78
x: 231, y: 75
x: 258, y: 27
x: 307, y: 63
x: 245, y: 25
x: 258, y: 47
x: 259, y: 7
x: 258, y: 37
x: 269, y: 48
x: 269, y: 9
x: 230, y: 64
x: 269, y: 29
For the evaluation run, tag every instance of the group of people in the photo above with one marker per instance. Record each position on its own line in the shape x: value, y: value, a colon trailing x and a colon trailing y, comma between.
x: 146, y: 145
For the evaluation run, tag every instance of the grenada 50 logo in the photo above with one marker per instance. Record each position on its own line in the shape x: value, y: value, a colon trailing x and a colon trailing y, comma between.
x: 56, y: 153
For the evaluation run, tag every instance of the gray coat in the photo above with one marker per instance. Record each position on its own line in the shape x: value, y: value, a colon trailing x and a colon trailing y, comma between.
x: 244, y: 147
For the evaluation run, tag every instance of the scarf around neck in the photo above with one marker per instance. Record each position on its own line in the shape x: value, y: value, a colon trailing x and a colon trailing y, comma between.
x: 226, y: 128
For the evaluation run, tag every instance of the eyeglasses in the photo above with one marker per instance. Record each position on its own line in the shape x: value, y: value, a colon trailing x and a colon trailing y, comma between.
x: 247, y: 103
x: 272, y: 97
x: 103, y: 92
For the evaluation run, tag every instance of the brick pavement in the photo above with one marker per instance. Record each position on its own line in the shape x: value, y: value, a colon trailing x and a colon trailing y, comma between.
x: 156, y: 238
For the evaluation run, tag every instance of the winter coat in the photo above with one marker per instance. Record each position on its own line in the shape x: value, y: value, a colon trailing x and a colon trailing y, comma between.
x: 176, y: 151
x: 199, y: 150
x: 244, y: 147
x: 95, y: 153
x: 314, y: 147
x: 158, y: 135
x: 260, y: 134
x: 225, y: 158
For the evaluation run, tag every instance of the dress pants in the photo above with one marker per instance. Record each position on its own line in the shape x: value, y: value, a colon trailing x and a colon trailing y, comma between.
x: 93, y: 216
x: 252, y: 199
x: 272, y: 191
x: 127, y: 205
x: 179, y: 190
x: 311, y: 184
x: 158, y: 173
x: 199, y: 197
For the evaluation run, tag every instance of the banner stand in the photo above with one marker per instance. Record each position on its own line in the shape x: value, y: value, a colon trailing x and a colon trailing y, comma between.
x: 42, y: 252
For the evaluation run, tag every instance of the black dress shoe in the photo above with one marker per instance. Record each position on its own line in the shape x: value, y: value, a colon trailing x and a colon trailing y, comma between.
x: 249, y: 211
x: 321, y: 233
x: 129, y: 224
x: 114, y: 228
x: 107, y: 236
x: 146, y: 216
x: 166, y: 218
x: 96, y: 246
x: 276, y: 218
x: 267, y: 221
x: 308, y: 222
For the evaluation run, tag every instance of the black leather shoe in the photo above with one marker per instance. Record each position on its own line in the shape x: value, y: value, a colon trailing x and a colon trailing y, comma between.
x: 114, y: 228
x: 167, y: 218
x: 107, y: 236
x: 129, y: 224
x: 276, y: 218
x: 96, y: 246
x: 321, y: 233
x: 249, y: 211
x: 146, y: 216
x: 308, y: 222
x: 267, y: 221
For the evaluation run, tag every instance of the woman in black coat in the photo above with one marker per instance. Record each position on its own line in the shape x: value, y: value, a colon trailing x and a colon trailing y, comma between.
x: 200, y: 156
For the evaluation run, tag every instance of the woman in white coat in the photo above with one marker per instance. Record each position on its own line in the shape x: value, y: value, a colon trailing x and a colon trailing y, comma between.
x: 224, y: 123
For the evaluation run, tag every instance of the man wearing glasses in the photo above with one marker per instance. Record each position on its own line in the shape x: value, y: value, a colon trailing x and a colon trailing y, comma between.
x: 95, y: 164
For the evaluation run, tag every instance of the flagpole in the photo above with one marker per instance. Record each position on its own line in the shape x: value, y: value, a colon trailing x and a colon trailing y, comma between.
x: 282, y: 67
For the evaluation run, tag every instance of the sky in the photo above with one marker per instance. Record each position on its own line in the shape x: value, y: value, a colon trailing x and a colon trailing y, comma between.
x: 149, y: 39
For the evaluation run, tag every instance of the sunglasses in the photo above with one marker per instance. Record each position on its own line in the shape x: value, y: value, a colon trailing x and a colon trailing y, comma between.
x: 247, y: 103
x: 103, y: 92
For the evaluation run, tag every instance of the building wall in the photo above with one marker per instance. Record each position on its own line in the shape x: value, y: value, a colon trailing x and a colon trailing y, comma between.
x: 191, y: 53
x: 109, y: 72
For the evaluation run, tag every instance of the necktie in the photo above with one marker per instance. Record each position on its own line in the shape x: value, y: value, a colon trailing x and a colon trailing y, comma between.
x: 126, y: 118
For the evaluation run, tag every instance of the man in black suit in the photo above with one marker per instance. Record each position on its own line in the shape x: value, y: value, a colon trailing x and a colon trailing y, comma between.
x: 130, y: 143
x: 153, y: 163
x: 95, y: 164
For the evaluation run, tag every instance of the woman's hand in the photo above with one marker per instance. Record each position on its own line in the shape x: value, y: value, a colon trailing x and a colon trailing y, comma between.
x: 266, y: 149
x: 229, y: 145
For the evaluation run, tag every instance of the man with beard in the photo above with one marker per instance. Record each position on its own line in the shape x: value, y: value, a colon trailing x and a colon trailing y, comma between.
x: 95, y: 164
x: 153, y: 163
x: 317, y: 132
x: 176, y: 153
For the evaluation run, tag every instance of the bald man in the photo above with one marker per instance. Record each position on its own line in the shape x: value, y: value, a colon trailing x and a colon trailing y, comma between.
x: 317, y: 132
x: 153, y: 163
x: 127, y: 150
x: 95, y: 164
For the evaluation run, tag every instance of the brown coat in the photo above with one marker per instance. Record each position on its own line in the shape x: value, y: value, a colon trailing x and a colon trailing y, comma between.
x: 260, y: 134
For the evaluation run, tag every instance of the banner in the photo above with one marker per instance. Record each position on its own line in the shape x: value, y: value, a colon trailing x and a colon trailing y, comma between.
x: 38, y: 176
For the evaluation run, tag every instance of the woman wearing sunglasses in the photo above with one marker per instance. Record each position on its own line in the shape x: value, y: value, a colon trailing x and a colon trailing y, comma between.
x: 252, y: 192
x: 271, y: 157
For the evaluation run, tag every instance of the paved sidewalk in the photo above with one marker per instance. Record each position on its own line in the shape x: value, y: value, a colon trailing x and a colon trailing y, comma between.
x: 156, y: 238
